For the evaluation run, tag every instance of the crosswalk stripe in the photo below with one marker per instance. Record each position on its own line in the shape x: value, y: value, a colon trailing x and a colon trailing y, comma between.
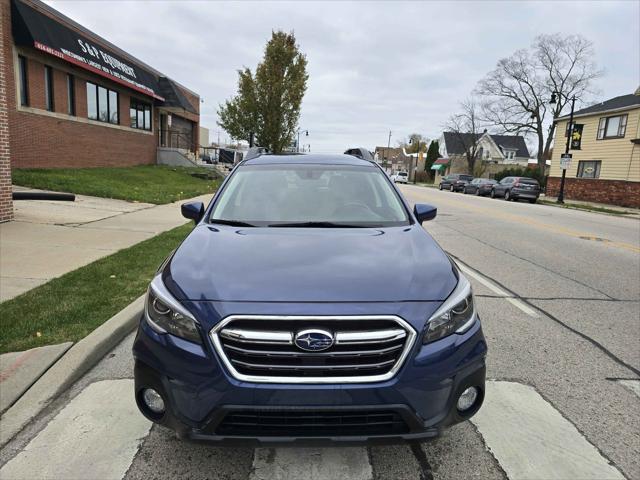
x: 531, y: 439
x: 95, y: 436
x: 311, y: 463
x: 633, y: 385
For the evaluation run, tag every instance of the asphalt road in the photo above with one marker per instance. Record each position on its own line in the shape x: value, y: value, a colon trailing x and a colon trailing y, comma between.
x: 559, y: 295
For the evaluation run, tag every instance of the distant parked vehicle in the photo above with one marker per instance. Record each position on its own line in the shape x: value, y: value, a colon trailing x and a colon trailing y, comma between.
x: 516, y: 188
x: 454, y: 182
x: 479, y: 186
x: 400, y: 177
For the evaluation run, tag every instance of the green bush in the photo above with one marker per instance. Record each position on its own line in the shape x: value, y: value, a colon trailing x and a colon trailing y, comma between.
x: 522, y: 172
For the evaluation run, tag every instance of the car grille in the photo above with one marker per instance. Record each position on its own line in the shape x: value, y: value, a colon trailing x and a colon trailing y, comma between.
x: 262, y: 349
x: 293, y: 423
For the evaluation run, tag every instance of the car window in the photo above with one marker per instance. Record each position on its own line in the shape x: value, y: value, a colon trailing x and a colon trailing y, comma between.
x: 528, y: 181
x: 505, y: 180
x: 264, y: 195
x: 466, y: 177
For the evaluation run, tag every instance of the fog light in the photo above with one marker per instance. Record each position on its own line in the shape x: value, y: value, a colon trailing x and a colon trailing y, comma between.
x: 467, y: 399
x: 153, y: 400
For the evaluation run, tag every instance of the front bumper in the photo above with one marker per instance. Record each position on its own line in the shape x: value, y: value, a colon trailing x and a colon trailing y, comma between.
x: 200, y: 396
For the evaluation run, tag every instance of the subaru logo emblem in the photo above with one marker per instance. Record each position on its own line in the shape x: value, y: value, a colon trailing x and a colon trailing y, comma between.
x: 313, y: 340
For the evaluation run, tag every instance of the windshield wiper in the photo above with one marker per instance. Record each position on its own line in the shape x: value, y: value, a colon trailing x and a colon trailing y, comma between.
x: 233, y: 223
x: 316, y: 225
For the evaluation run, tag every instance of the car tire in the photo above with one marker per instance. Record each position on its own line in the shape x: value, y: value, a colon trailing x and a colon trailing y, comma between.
x: 533, y: 200
x: 493, y: 193
x: 451, y: 189
x: 440, y: 186
x: 477, y: 192
x: 507, y: 195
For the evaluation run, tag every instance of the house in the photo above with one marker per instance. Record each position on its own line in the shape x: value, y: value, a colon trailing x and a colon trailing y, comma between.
x: 392, y: 159
x: 605, y: 164
x: 71, y: 99
x: 494, y: 153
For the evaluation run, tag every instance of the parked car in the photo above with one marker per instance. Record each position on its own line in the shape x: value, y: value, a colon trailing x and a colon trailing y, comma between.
x: 255, y: 329
x: 454, y: 182
x: 479, y: 186
x: 516, y: 188
x: 400, y: 177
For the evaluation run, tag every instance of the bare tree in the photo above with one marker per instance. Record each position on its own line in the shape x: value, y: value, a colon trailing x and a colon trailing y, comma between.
x: 516, y: 93
x: 467, y: 130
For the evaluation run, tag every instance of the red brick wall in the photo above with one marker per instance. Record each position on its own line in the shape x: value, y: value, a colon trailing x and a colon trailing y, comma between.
x: 613, y: 192
x: 6, y: 90
x: 39, y: 140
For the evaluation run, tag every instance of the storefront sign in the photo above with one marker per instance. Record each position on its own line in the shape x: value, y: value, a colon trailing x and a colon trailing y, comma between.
x: 35, y: 29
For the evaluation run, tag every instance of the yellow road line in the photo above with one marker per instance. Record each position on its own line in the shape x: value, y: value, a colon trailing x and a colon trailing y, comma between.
x: 541, y: 225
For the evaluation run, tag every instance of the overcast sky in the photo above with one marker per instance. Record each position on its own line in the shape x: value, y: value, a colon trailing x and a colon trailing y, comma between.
x: 373, y: 67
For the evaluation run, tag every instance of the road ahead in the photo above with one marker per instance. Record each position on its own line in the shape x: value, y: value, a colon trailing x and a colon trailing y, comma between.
x: 559, y: 295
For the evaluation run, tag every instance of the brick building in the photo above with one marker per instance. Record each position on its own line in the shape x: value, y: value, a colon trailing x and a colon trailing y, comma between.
x: 605, y: 149
x: 69, y: 98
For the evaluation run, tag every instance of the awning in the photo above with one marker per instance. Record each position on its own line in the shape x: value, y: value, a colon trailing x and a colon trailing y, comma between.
x: 441, y: 161
x: 34, y: 29
x: 437, y: 166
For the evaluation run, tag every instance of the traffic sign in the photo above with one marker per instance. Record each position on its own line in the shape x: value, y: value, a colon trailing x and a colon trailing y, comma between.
x: 565, y: 161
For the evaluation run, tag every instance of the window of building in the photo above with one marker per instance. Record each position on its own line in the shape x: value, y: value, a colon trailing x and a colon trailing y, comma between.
x: 24, y: 81
x: 509, y: 154
x: 140, y: 114
x: 48, y: 88
x: 589, y: 169
x: 71, y: 95
x: 612, y: 127
x: 102, y: 104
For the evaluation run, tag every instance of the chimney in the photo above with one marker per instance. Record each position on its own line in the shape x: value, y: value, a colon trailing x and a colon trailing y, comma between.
x: 485, y: 131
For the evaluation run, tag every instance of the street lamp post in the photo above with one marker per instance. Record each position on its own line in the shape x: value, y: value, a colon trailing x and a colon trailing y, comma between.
x: 568, y: 145
x: 306, y: 132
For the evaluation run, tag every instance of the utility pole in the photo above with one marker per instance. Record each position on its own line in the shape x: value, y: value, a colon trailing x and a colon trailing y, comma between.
x: 386, y: 155
x: 568, y: 145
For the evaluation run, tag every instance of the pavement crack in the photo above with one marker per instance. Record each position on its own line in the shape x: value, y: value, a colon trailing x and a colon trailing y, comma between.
x: 581, y: 299
x: 426, y: 472
x: 546, y: 269
x: 549, y: 315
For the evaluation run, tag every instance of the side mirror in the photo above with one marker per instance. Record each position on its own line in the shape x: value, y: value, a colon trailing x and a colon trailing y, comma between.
x: 424, y: 212
x: 192, y: 210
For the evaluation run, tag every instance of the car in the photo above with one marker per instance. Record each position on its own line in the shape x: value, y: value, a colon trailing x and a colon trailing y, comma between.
x: 400, y: 177
x: 516, y: 188
x: 454, y: 182
x: 479, y: 186
x: 309, y: 305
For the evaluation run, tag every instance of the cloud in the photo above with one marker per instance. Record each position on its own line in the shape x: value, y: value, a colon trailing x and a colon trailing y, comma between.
x: 374, y: 66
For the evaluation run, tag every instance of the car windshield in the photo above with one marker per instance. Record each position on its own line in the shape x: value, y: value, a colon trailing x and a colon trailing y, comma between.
x: 309, y: 195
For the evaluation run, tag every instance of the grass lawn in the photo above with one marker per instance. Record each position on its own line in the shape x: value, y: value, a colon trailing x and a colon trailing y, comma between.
x: 71, y: 306
x: 144, y: 183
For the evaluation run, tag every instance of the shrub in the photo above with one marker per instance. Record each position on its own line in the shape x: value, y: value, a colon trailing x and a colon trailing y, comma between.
x: 522, y: 172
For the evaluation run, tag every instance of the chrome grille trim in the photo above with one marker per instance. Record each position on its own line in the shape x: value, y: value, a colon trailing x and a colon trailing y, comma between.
x: 282, y: 339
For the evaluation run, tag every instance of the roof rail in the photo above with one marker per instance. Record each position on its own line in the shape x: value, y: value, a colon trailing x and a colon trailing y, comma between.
x: 255, y: 152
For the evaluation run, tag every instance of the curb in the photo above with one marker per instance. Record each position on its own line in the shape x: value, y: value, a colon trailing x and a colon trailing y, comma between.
x: 69, y: 368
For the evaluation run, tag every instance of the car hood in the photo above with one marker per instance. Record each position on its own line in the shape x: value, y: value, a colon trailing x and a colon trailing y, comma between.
x: 222, y: 263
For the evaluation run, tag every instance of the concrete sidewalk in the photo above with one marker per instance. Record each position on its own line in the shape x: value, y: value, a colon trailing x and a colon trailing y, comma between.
x: 48, y: 239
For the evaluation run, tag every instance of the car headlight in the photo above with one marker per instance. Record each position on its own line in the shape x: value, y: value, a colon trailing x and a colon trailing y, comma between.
x: 456, y: 315
x: 165, y: 314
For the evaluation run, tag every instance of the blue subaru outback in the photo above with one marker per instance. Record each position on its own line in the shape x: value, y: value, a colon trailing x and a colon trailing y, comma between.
x: 309, y: 305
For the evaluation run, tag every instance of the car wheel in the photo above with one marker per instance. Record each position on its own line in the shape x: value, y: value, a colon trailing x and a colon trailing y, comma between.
x: 451, y: 188
x: 507, y: 195
x: 493, y: 193
x: 440, y: 186
x: 477, y: 192
x: 533, y: 200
